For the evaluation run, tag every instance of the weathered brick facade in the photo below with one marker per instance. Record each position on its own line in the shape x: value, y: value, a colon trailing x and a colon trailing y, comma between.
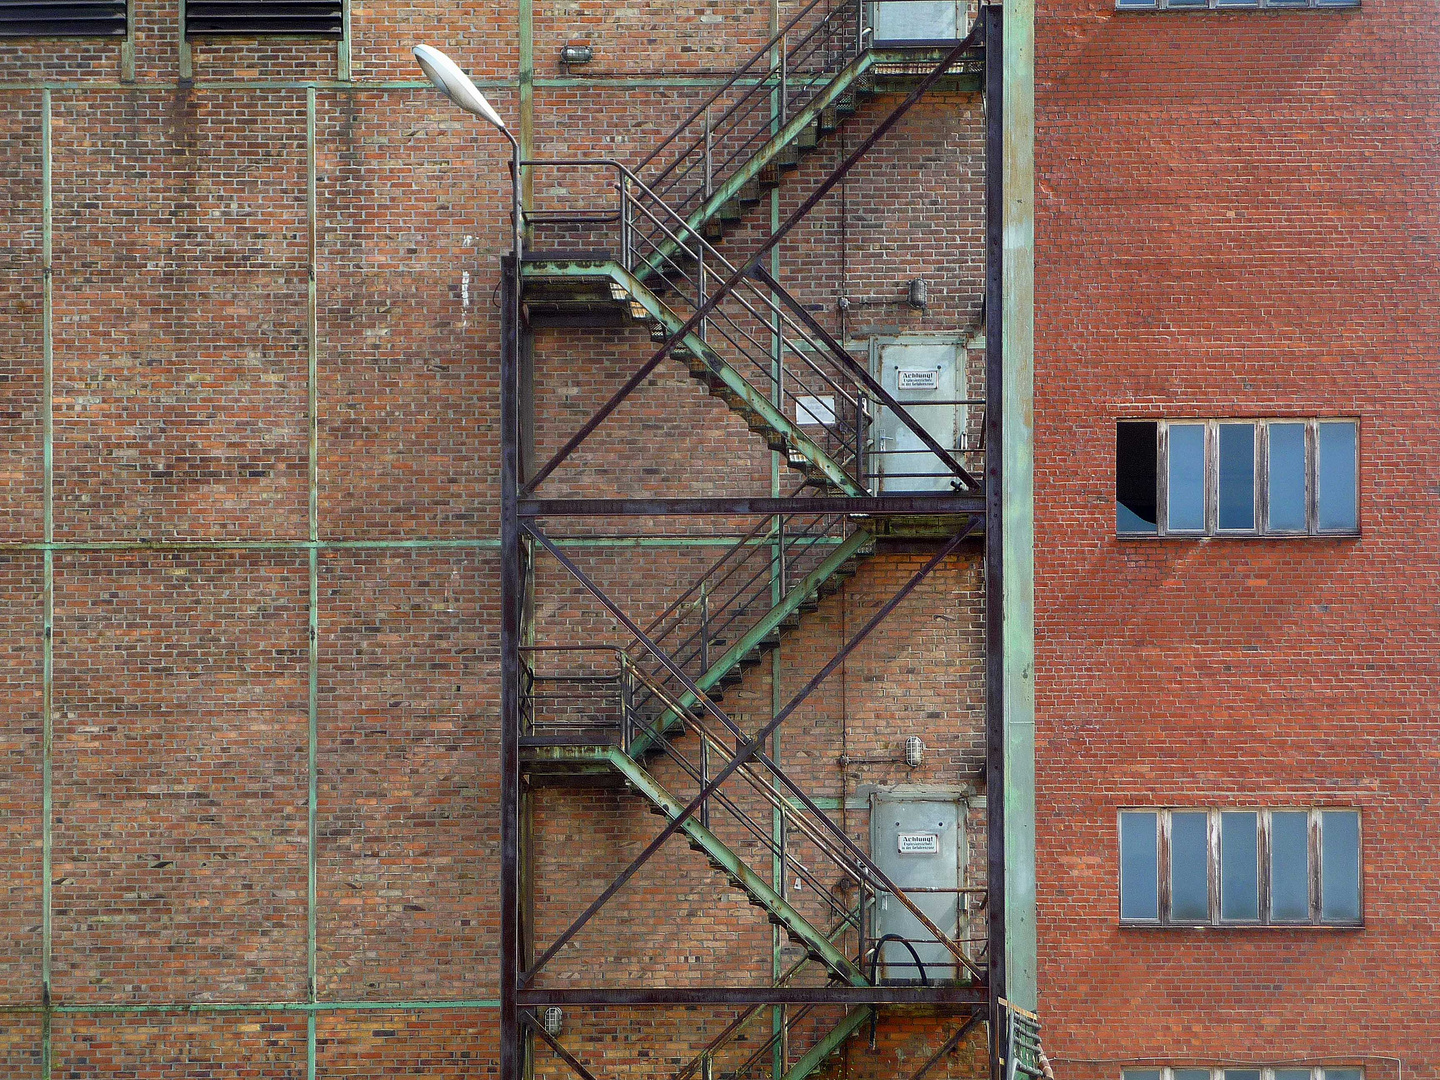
x: 227, y: 577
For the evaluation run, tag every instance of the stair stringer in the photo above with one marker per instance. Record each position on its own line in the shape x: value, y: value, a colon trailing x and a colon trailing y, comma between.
x: 815, y: 940
x: 782, y: 430
x: 805, y: 589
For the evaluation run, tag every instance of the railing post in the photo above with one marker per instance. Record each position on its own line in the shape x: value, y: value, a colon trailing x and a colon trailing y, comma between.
x: 705, y: 781
x: 704, y: 627
x: 784, y: 81
x: 709, y: 156
x: 625, y: 214
x: 862, y: 422
x: 627, y: 703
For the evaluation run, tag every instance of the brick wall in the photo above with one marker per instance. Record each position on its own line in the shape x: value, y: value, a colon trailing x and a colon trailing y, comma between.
x: 187, y: 557
x: 1233, y: 218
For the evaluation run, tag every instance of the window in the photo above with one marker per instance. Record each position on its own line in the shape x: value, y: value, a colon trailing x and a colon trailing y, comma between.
x: 1190, y: 478
x: 1254, y: 1072
x: 1225, y: 5
x: 267, y: 18
x: 51, y: 18
x: 1182, y: 867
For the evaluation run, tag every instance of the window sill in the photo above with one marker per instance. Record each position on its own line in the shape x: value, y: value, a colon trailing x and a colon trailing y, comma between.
x: 1191, y: 538
x: 1305, y: 927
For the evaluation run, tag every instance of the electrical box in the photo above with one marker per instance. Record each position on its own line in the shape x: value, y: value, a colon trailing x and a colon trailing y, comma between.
x: 928, y: 379
x: 917, y: 840
x: 912, y: 23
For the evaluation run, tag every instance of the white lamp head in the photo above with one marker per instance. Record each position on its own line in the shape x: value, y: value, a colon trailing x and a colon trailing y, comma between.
x: 455, y: 84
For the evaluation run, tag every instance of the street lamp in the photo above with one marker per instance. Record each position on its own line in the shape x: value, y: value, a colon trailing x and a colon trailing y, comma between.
x: 457, y: 86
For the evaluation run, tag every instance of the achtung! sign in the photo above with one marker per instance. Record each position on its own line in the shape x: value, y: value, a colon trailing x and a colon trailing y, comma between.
x: 919, y: 843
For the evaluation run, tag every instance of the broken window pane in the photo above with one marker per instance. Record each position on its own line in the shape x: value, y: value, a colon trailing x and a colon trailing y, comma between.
x: 1136, y: 457
x: 1237, y: 476
x: 1189, y: 867
x: 1290, y: 866
x: 1287, y: 477
x: 1335, y: 476
x: 1239, y: 866
x: 1139, y: 867
x: 1340, y: 866
x: 1185, y: 480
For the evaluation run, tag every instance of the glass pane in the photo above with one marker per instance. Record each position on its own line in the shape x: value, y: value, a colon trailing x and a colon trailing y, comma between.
x: 1139, y: 867
x: 1185, y: 480
x: 1237, y: 476
x: 1242, y: 1074
x: 1194, y: 1074
x: 1136, y: 454
x: 1287, y: 477
x: 1342, y: 1074
x: 1340, y: 866
x: 1335, y: 476
x: 1189, y: 867
x: 1239, y: 866
x: 1292, y: 1074
x: 1140, y: 1074
x: 1290, y: 866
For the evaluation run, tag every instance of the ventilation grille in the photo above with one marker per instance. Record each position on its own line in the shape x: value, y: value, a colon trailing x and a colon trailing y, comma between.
x: 307, y: 18
x: 57, y: 18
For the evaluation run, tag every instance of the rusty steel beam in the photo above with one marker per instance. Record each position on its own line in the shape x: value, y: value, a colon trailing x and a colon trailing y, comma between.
x: 872, y: 505
x: 975, y: 997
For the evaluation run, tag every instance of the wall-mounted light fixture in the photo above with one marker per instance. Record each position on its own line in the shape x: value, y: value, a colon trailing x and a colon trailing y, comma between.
x: 577, y: 52
x: 918, y: 294
x: 914, y: 751
x: 554, y: 1021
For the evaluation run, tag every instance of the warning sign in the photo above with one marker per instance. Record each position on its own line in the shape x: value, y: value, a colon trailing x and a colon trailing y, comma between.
x: 910, y: 378
x: 919, y: 843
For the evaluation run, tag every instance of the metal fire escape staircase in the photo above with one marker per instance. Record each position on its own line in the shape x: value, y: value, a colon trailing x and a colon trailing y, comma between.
x: 617, y: 711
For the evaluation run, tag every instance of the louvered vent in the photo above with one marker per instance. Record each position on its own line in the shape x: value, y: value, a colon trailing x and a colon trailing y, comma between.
x: 56, y: 18
x: 307, y: 18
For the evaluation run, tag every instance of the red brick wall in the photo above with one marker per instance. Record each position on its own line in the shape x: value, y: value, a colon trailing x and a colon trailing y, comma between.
x: 1234, y: 217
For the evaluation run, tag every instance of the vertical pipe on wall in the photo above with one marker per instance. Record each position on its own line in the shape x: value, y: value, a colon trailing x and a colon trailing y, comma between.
x: 47, y: 420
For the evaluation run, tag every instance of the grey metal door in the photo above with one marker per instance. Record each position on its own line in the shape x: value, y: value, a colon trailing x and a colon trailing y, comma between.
x: 924, y: 377
x: 917, y: 841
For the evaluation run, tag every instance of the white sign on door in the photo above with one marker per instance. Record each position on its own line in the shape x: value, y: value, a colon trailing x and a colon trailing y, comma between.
x: 923, y: 843
x: 917, y: 378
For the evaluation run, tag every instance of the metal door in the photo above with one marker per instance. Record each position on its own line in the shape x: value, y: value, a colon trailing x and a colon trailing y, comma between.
x: 916, y: 840
x: 913, y: 22
x: 914, y: 374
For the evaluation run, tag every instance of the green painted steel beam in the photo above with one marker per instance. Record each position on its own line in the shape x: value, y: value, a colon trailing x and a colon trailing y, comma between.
x: 1017, y: 498
x: 833, y: 1040
x: 815, y: 940
x: 788, y: 605
x: 757, y: 402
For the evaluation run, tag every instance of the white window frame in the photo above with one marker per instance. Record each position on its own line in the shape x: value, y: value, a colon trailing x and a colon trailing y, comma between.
x: 1213, y: 864
x: 1267, y: 1072
x: 1211, y: 496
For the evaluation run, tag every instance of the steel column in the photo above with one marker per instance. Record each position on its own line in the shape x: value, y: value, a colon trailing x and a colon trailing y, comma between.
x: 512, y: 597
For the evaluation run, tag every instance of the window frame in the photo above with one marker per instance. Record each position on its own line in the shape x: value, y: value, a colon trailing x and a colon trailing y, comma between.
x: 1217, y: 1072
x: 1263, y: 852
x: 1148, y: 7
x: 1261, y: 478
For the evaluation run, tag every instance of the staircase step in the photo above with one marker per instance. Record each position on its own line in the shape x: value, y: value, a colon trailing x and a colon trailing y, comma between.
x: 750, y: 192
x: 809, y: 137
x: 732, y: 210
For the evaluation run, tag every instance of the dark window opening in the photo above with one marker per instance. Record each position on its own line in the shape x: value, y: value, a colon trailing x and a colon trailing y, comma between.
x: 267, y: 18
x: 1136, y: 463
x: 47, y: 18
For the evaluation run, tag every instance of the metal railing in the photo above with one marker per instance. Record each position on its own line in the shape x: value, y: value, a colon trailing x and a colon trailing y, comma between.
x: 715, y: 139
x: 758, y: 346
